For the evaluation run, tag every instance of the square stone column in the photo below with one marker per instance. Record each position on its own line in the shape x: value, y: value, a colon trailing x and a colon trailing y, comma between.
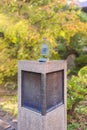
x: 42, y: 95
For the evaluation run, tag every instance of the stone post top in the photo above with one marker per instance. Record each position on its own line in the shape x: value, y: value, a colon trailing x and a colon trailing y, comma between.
x: 42, y: 67
x: 37, y: 62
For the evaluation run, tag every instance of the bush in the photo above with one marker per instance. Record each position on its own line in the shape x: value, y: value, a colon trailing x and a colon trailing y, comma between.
x: 83, y: 17
x: 77, y: 90
x: 81, y: 60
x: 73, y: 126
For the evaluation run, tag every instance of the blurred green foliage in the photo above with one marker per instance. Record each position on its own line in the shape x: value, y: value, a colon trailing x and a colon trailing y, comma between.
x: 77, y: 90
x: 83, y: 17
x: 73, y: 126
x: 81, y: 60
x: 9, y: 105
x: 23, y: 24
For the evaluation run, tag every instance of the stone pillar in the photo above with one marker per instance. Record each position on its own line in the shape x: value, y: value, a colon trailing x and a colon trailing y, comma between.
x: 42, y: 95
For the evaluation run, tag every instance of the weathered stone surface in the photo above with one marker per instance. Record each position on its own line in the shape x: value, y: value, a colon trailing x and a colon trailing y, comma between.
x: 5, y: 126
x: 71, y: 61
x: 29, y: 119
x: 85, y: 49
x: 2, y: 113
x: 10, y: 128
x: 41, y: 67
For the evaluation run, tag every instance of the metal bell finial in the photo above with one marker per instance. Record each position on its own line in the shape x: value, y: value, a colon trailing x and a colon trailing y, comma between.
x: 44, y: 51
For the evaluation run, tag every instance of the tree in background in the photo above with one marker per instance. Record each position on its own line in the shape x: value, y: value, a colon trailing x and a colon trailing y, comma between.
x: 23, y: 24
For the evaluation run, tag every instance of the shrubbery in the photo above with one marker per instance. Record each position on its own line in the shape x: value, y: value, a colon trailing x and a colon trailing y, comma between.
x: 77, y: 90
x: 81, y: 60
x: 23, y: 26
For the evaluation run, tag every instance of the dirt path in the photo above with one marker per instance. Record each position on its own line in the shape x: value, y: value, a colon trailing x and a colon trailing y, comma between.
x: 8, y: 118
x: 5, y: 116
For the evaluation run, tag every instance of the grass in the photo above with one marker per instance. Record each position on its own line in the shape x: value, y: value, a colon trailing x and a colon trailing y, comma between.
x: 9, y: 104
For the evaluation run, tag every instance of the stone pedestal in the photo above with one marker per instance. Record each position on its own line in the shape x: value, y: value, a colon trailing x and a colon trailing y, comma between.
x: 42, y: 95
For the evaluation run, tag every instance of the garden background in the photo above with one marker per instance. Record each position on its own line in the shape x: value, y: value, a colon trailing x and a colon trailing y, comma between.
x: 23, y: 25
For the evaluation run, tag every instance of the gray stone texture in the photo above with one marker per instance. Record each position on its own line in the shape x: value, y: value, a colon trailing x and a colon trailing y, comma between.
x: 31, y: 120
x: 5, y: 126
x: 71, y: 61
